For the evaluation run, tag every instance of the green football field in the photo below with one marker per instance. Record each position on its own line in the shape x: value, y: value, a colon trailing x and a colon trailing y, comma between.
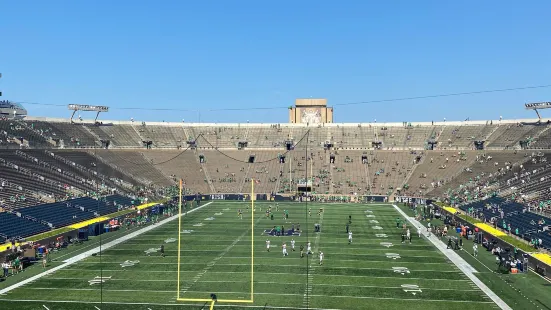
x: 375, y: 271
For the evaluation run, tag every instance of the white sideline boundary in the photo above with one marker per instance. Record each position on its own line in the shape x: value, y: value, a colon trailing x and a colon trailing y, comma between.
x: 458, y: 261
x: 96, y: 250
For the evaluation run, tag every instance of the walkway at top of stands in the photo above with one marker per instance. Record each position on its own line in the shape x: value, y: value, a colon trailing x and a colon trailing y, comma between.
x: 291, y: 125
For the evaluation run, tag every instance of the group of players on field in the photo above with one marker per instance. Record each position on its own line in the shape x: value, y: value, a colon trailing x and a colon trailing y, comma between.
x: 269, y: 213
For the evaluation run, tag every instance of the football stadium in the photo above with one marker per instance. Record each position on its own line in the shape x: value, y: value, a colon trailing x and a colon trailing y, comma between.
x: 307, y: 214
x: 117, y: 205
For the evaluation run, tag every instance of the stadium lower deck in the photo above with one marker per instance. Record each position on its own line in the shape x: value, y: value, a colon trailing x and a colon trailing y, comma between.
x: 216, y: 258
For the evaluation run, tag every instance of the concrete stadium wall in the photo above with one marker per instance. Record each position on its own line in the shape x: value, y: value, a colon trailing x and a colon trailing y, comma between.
x: 288, y: 125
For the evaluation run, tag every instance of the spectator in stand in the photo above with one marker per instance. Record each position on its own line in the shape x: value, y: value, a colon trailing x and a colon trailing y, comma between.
x: 6, y: 268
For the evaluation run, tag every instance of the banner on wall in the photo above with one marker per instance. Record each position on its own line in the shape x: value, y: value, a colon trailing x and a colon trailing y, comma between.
x: 242, y: 197
x: 406, y: 199
x: 374, y: 198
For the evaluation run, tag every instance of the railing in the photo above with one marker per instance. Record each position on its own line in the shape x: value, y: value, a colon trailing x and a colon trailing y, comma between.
x: 32, y: 174
x: 54, y: 168
x: 114, y: 167
x: 18, y: 187
x: 100, y: 176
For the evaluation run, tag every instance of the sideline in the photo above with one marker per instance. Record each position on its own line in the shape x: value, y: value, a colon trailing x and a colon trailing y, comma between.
x: 60, y: 230
x: 467, y: 269
x: 94, y: 251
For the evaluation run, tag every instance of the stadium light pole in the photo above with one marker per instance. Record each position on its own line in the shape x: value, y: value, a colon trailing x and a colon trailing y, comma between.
x: 0, y: 90
x: 101, y: 231
x: 308, y: 196
x: 198, y: 115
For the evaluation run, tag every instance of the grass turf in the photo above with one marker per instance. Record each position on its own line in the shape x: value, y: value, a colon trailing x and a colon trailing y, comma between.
x: 215, y: 258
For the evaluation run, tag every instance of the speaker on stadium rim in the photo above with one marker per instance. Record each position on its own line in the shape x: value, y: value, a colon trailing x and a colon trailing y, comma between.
x: 289, y: 145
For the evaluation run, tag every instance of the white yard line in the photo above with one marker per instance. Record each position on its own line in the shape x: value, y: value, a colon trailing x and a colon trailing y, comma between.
x: 309, y: 287
x: 265, y: 273
x: 233, y: 281
x: 45, y: 307
x: 283, y: 265
x: 385, y: 262
x: 89, y: 253
x: 467, y: 269
x: 384, y: 250
x: 272, y: 294
x: 159, y: 304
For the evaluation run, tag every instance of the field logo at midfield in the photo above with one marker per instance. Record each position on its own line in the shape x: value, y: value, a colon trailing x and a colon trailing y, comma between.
x: 187, y: 231
x: 411, y: 288
x: 387, y: 244
x: 170, y: 240
x: 152, y: 250
x: 198, y: 225
x: 401, y: 270
x: 392, y: 255
x: 209, y: 219
x: 219, y: 213
x: 370, y: 215
x: 373, y: 221
x: 381, y: 235
x: 98, y: 280
x: 377, y: 227
x: 288, y: 232
x: 129, y: 263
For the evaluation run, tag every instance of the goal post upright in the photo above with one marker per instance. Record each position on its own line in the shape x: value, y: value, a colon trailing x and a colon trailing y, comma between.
x: 179, y: 235
x: 253, y: 197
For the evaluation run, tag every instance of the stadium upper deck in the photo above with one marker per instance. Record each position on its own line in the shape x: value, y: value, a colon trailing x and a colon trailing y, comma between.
x: 370, y: 158
x: 449, y: 135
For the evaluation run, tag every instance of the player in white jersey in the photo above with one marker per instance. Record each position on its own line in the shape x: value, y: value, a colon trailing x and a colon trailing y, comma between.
x: 284, y: 248
x: 475, y: 250
x: 321, y: 258
x: 349, y: 237
x: 268, y: 245
x: 293, y: 244
x: 408, y: 235
x: 308, y: 248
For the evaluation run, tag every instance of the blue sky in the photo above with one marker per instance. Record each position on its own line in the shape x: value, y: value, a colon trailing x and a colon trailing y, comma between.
x: 212, y: 55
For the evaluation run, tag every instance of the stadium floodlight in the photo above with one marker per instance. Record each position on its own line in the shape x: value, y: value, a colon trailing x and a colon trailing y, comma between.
x: 538, y: 106
x: 93, y: 108
x: 80, y: 107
